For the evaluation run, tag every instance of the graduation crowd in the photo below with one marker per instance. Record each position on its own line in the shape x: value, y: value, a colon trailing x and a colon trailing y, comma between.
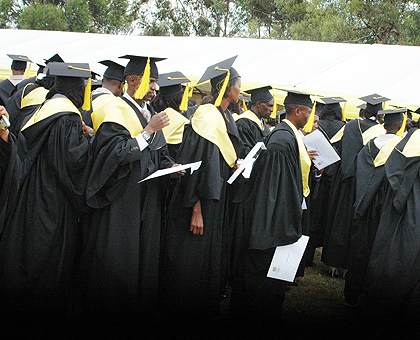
x: 73, y: 214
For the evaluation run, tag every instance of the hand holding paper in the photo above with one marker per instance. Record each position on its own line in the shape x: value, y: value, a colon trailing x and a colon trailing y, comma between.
x: 247, y: 163
x: 317, y: 142
x: 163, y: 172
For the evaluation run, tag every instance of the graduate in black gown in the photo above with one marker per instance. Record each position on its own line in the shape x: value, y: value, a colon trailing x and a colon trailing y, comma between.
x: 275, y: 211
x: 30, y: 94
x: 251, y: 124
x: 26, y: 101
x: 331, y: 124
x: 371, y: 185
x: 173, y: 99
x: 393, y: 274
x: 195, y: 242
x: 252, y: 129
x: 122, y: 242
x: 39, y: 243
x: 112, y: 85
x: 9, y: 85
x: 356, y: 133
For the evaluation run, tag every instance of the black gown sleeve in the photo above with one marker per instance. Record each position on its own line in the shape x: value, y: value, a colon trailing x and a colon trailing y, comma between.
x: 113, y: 152
x: 9, y: 176
x: 207, y: 182
x: 276, y: 200
x: 69, y: 150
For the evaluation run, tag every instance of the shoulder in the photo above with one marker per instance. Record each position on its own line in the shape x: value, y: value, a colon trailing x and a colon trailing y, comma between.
x: 282, y: 137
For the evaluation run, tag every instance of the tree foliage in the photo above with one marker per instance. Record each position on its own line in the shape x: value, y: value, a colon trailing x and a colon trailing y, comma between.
x: 99, y: 16
x: 43, y: 17
x: 355, y: 21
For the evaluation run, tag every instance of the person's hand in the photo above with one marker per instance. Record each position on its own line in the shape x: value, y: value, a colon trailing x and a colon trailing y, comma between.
x: 312, y: 154
x: 237, y: 165
x: 87, y: 130
x: 197, y: 223
x: 157, y: 122
x: 4, y: 134
x: 177, y: 174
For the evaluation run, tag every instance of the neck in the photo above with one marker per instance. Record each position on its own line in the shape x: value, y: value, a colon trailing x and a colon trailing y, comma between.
x: 256, y: 113
x: 293, y: 121
x: 131, y: 92
x: 224, y: 104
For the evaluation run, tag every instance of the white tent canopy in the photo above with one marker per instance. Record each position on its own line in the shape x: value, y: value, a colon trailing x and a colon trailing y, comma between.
x: 320, y: 68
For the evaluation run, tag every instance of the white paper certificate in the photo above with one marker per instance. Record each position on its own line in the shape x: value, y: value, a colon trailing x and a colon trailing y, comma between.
x: 247, y: 164
x: 286, y: 260
x: 326, y: 153
x: 163, y: 172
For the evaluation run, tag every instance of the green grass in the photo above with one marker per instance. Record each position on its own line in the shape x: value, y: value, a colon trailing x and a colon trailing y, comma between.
x: 317, y: 295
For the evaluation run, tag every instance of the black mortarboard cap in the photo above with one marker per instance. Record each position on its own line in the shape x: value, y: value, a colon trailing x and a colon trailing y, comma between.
x: 260, y: 94
x: 19, y: 61
x: 114, y: 70
x: 137, y: 64
x: 56, y: 58
x: 217, y: 72
x: 40, y: 68
x: 392, y: 115
x: 170, y: 83
x: 374, y: 102
x: 69, y: 76
x: 332, y: 102
x: 298, y: 97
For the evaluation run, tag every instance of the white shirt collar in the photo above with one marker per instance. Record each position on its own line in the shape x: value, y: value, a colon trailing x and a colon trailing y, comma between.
x: 381, y: 140
x: 102, y: 90
x: 141, y: 109
x: 16, y: 79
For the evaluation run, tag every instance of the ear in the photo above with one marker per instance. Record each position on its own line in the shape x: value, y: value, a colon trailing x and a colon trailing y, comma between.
x: 131, y: 79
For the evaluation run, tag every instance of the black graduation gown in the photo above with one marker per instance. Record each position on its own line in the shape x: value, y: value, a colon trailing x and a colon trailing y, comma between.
x: 275, y: 216
x: 17, y: 114
x: 40, y: 237
x: 120, y: 260
x: 371, y: 185
x: 250, y: 134
x: 9, y: 178
x: 394, y: 264
x: 6, y: 90
x: 194, y: 266
x: 321, y: 189
x: 340, y: 215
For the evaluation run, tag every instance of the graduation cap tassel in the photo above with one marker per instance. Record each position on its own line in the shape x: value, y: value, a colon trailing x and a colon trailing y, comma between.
x: 185, y: 96
x: 88, y: 89
x: 143, y: 88
x: 244, y: 105
x: 223, y: 89
x: 310, y: 123
x: 344, y: 113
x: 28, y: 73
x: 404, y: 124
x: 274, y: 113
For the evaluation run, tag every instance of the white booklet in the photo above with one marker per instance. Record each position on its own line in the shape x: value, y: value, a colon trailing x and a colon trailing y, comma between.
x: 163, y: 172
x: 326, y: 153
x: 247, y: 164
x: 286, y: 259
